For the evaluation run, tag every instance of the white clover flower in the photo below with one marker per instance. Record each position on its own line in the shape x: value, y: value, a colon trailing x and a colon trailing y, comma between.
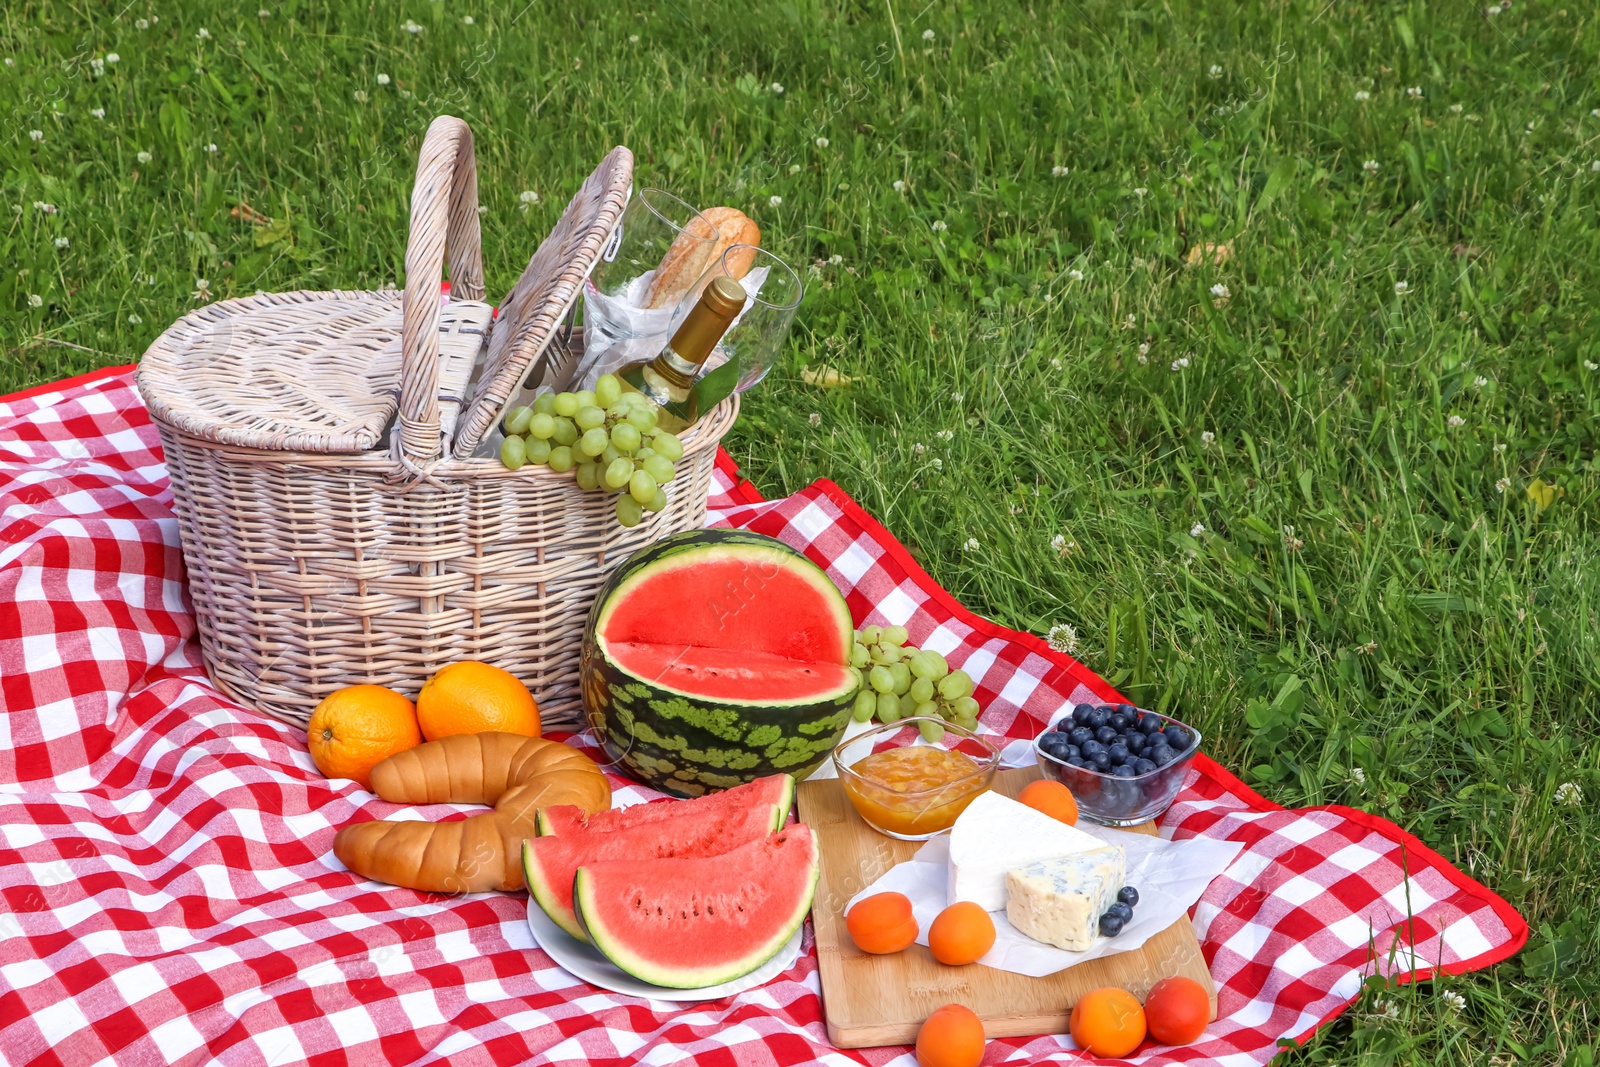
x: 144, y: 157
x: 814, y: 418
x: 1362, y: 96
x: 1144, y: 349
x: 1221, y: 292
x: 1180, y: 364
x: 361, y: 96
x: 1144, y: 360
x: 528, y: 197
x: 62, y: 242
x: 1590, y: 364
x: 970, y: 545
x: 945, y: 435
x: 1594, y: 112
x: 36, y: 135
x: 1401, y: 288
x: 483, y: 209
x: 1479, y: 382
x: 1453, y: 1001
x: 774, y: 201
x: 1130, y: 323
x: 835, y: 259
x: 898, y: 186
x: 1290, y: 541
x: 48, y: 209
x: 776, y: 88
x: 1141, y: 192
x: 98, y: 112
x: 633, y: 38
x: 1059, y: 543
x: 1502, y: 485
x: 1214, y: 71
x: 1075, y: 274
x: 263, y: 14
x: 1499, y: 448
x: 1455, y: 109
x: 35, y: 300
x: 822, y: 142
x: 134, y: 320
x: 1059, y: 171
x: 411, y: 27
x: 928, y: 35
x: 1197, y: 529
x: 919, y: 449
x: 1595, y: 166
x: 97, y: 67
x: 794, y: 168
x: 1415, y: 92
x: 468, y: 20
x: 202, y: 290
x: 1569, y: 794
x: 1063, y: 637
x: 1370, y: 166
x: 382, y: 79
x: 1207, y: 438
x: 1386, y: 1008
x: 1455, y: 422
x: 141, y: 24
x: 939, y: 226
x: 958, y: 397
x: 1492, y: 10
x: 203, y: 34
x: 1358, y: 776
x: 211, y: 149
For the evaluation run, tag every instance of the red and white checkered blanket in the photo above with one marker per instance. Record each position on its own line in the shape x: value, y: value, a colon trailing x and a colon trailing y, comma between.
x: 169, y: 893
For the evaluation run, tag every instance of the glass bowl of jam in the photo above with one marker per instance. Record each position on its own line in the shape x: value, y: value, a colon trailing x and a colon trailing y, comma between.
x: 909, y: 787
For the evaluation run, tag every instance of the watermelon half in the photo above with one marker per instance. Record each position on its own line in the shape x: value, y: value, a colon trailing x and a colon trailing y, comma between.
x: 549, y: 863
x: 775, y: 789
x: 691, y: 923
x: 715, y: 657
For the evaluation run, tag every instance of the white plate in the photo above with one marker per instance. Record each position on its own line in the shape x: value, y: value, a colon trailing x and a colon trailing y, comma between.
x: 590, y: 964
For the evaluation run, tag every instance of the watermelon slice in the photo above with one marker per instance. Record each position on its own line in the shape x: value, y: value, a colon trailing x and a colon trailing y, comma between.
x: 775, y: 789
x: 688, y: 923
x: 549, y: 863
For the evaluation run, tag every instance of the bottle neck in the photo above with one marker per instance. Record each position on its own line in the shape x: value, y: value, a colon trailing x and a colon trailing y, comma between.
x: 675, y: 368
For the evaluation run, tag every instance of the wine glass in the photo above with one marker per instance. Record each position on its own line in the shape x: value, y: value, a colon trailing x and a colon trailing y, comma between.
x: 757, y: 335
x: 618, y: 326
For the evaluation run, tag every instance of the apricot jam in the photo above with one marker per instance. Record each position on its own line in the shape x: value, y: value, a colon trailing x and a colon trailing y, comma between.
x: 913, y: 791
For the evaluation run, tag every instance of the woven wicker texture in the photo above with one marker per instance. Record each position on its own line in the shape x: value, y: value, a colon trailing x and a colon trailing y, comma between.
x: 313, y: 569
x: 540, y: 299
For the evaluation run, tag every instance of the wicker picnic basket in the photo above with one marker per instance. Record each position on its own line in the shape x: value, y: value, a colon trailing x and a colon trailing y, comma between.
x: 336, y: 523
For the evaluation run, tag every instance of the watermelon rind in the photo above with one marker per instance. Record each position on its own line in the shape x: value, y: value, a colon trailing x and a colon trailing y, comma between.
x: 689, y: 744
x: 613, y: 943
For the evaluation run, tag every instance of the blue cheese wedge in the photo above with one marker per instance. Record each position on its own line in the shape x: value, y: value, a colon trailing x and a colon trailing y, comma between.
x: 994, y: 835
x: 1060, y: 901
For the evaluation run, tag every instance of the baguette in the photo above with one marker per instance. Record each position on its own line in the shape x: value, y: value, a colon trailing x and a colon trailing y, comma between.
x: 518, y: 775
x: 689, y: 256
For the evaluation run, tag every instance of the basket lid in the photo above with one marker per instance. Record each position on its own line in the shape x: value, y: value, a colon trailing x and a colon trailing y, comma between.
x: 544, y: 293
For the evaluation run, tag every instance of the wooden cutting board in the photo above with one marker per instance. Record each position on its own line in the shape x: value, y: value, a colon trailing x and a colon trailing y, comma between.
x: 882, y: 1000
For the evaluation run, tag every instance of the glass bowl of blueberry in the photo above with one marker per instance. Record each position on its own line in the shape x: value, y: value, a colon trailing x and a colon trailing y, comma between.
x: 1124, y: 765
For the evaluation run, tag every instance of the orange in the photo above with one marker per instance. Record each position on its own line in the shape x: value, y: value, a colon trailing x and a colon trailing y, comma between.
x: 1052, y: 798
x: 961, y: 934
x: 1108, y: 1022
x: 357, y: 727
x: 881, y: 923
x: 473, y: 698
x: 951, y: 1037
x: 1177, y: 1011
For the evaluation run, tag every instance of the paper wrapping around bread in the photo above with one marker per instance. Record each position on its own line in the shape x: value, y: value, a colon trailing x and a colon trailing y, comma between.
x: 690, y: 255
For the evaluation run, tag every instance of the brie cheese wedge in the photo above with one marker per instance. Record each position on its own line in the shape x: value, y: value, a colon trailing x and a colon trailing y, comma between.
x: 996, y: 834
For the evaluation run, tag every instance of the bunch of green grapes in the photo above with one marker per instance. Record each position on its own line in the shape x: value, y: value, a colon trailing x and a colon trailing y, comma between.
x: 608, y: 435
x: 901, y: 680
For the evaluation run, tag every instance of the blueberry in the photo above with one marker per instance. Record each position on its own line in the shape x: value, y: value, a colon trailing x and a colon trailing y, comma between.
x: 1101, y: 760
x: 1128, y: 895
x: 1177, y: 737
x: 1081, y: 735
x: 1064, y: 726
x: 1128, y: 710
x: 1091, y: 746
x: 1161, y: 755
x: 1081, y: 713
x: 1053, y: 744
x: 1105, y: 735
x: 1152, y: 724
x: 1121, y: 910
x: 1119, y: 722
x: 1077, y: 761
x: 1073, y: 751
x: 1122, y: 770
x: 1099, y: 718
x: 1142, y: 766
x: 1135, y: 742
x: 1110, y: 925
x: 1118, y: 752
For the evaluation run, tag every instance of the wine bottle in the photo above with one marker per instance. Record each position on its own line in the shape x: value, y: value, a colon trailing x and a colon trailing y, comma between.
x: 667, y: 381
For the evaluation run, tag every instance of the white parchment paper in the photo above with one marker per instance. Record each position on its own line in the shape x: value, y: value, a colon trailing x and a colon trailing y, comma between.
x: 1169, y: 875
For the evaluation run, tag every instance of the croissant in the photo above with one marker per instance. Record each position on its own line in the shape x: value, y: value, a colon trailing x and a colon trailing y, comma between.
x: 689, y: 257
x: 517, y: 774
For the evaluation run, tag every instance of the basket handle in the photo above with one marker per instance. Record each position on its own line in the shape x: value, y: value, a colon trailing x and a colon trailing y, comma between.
x: 444, y: 214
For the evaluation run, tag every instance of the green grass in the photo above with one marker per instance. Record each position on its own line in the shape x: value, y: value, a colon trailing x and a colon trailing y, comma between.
x: 1430, y: 620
